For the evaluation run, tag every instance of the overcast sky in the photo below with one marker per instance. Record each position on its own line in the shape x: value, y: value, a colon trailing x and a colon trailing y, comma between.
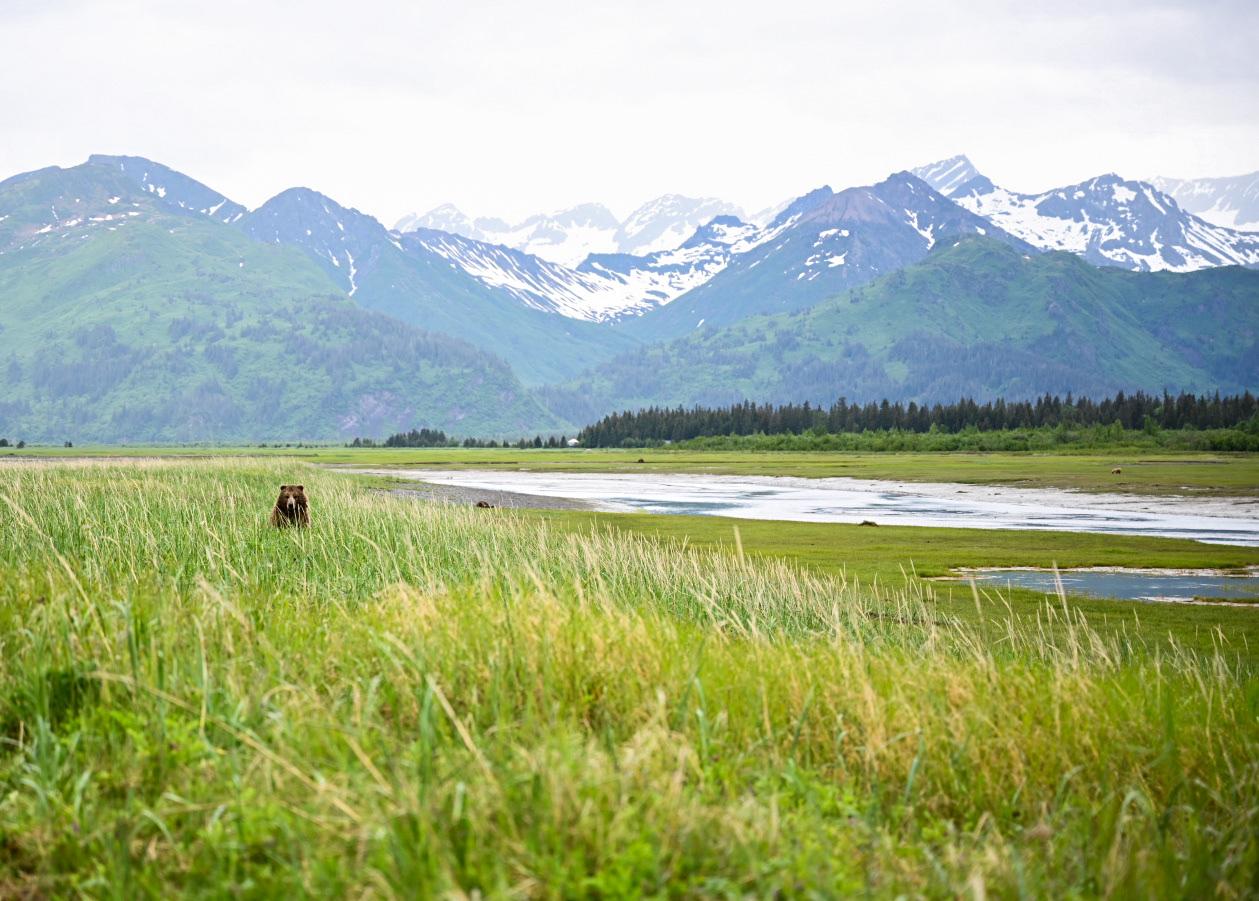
x: 514, y: 107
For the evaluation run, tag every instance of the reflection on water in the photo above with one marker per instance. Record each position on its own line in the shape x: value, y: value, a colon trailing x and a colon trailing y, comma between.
x: 1131, y: 585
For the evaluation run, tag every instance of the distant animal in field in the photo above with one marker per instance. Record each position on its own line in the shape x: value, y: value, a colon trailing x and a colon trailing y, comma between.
x: 867, y: 522
x: 485, y: 505
x: 291, y: 508
x: 641, y: 460
x: 1118, y: 470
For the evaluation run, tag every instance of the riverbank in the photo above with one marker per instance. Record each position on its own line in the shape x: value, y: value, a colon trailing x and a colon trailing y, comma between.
x: 1140, y: 471
x: 1229, y: 521
x: 460, y: 495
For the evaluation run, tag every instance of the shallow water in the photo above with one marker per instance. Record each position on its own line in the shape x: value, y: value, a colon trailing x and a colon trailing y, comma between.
x: 1130, y: 585
x: 1219, y: 520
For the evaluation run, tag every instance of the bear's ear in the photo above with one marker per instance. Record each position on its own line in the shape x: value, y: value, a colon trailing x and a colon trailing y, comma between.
x: 299, y: 487
x: 284, y: 487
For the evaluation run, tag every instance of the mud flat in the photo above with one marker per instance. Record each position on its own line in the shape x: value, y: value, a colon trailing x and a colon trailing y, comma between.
x: 949, y: 505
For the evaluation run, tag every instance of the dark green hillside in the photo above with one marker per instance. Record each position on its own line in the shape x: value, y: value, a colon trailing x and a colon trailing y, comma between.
x: 122, y: 320
x: 975, y: 318
x: 406, y: 280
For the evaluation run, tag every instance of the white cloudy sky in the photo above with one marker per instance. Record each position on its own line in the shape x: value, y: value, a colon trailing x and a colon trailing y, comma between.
x: 511, y: 107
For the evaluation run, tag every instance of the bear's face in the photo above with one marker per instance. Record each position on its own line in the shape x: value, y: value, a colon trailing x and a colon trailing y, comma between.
x: 292, y: 499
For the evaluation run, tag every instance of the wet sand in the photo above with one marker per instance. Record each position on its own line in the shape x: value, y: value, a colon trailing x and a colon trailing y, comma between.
x: 1222, y: 520
x: 460, y: 495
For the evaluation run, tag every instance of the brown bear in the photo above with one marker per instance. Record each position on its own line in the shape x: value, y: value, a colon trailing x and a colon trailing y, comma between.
x: 292, y: 508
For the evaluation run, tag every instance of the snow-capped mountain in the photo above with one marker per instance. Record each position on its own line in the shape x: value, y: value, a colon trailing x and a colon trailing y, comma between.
x: 1230, y: 202
x: 605, y: 286
x: 568, y: 264
x: 822, y: 244
x: 1111, y: 221
x: 946, y: 176
x: 770, y: 213
x: 566, y: 237
x: 390, y: 273
x: 569, y: 236
x: 656, y: 279
x: 175, y: 188
x: 447, y: 218
x: 667, y: 221
x: 534, y: 281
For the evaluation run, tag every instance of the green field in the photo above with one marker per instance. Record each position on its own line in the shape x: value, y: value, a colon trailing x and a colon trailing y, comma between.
x: 1195, y: 474
x: 415, y: 699
x: 910, y: 558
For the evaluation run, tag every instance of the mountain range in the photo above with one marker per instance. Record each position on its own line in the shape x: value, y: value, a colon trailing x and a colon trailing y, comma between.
x: 129, y: 312
x: 569, y: 236
x: 975, y: 316
x: 1108, y: 220
x: 139, y: 304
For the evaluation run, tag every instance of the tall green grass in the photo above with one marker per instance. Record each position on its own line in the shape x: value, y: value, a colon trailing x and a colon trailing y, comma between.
x: 413, y: 700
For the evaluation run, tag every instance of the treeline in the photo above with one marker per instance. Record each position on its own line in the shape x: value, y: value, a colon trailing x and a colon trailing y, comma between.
x: 1132, y: 412
x: 1044, y: 439
x: 437, y: 438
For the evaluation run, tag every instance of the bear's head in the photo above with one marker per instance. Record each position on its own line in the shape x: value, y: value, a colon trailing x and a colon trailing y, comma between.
x: 292, y: 499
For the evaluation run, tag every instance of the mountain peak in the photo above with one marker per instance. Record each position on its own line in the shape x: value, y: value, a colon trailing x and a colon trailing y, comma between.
x: 667, y: 221
x: 174, y: 188
x: 446, y: 217
x: 947, y: 176
x: 1112, y: 221
x: 804, y: 204
x: 1231, y: 202
x: 588, y: 215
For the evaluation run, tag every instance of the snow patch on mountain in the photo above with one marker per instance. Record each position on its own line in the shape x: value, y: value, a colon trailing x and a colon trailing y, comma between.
x: 337, y: 237
x: 535, y: 282
x: 176, y: 189
x: 605, y: 286
x: 1231, y: 202
x: 947, y: 176
x: 569, y: 236
x: 668, y: 221
x: 566, y: 236
x: 1111, y: 221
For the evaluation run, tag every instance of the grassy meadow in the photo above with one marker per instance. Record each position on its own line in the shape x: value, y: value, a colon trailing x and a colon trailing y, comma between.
x: 410, y: 699
x: 1143, y: 471
x: 900, y: 557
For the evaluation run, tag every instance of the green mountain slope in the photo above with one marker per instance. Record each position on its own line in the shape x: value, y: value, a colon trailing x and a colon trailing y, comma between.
x: 408, y: 281
x: 124, y: 319
x: 975, y: 318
